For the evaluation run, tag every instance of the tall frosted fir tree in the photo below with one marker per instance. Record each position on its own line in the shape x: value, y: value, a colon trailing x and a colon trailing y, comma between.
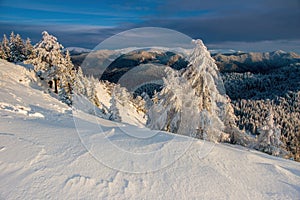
x: 48, y: 60
x: 211, y: 101
x: 193, y: 101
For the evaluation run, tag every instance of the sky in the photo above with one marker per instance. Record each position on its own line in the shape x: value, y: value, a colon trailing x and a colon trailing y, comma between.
x: 247, y: 25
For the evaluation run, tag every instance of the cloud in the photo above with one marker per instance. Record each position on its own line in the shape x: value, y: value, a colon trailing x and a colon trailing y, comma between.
x: 147, y: 37
x: 248, y: 24
x: 228, y: 7
x: 69, y: 35
x: 67, y: 10
x: 259, y: 46
x: 215, y: 21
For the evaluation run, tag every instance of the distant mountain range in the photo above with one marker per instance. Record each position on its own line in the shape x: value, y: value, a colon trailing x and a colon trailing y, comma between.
x: 77, y: 50
x: 133, y: 68
x: 127, y: 62
x: 112, y: 64
x: 255, y: 62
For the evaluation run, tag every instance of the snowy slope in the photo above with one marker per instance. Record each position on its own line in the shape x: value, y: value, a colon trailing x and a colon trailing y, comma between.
x: 48, y: 152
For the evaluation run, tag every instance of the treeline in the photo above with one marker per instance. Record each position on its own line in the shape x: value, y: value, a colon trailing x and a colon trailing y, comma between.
x: 51, y: 65
x: 15, y: 49
x: 252, y: 115
x: 276, y: 83
x: 255, y: 95
x: 58, y: 74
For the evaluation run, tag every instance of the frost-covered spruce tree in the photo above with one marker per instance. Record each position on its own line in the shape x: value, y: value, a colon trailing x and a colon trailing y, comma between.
x: 114, y: 111
x: 148, y: 103
x: 269, y: 136
x: 17, y: 48
x: 87, y: 87
x: 123, y: 95
x: 79, y: 86
x: 5, y: 48
x: 140, y: 102
x: 192, y: 102
x: 165, y: 113
x: 232, y: 133
x: 67, y: 79
x: 93, y: 93
x: 2, y: 54
x: 12, y: 47
x: 47, y: 60
x: 207, y: 85
x: 28, y: 48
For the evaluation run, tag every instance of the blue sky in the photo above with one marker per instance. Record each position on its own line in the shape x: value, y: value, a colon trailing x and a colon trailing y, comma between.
x: 253, y: 25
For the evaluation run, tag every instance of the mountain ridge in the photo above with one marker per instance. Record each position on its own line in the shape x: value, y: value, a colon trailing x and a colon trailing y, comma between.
x: 256, y: 62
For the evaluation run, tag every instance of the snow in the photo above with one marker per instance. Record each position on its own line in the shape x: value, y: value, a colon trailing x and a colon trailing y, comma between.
x: 128, y: 113
x: 77, y: 50
x: 222, y: 51
x: 192, y: 101
x: 70, y: 154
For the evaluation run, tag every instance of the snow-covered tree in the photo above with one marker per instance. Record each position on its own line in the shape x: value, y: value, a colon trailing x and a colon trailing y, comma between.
x: 79, y: 86
x: 87, y: 87
x: 269, y: 136
x: 114, y: 111
x: 17, y: 48
x: 192, y: 102
x: 28, y: 48
x: 93, y: 93
x: 203, y: 77
x: 67, y: 79
x: 2, y: 53
x: 12, y: 47
x: 5, y: 48
x: 12, y: 38
x: 165, y: 114
x: 123, y: 95
x: 148, y: 103
x: 48, y: 60
x: 53, y: 67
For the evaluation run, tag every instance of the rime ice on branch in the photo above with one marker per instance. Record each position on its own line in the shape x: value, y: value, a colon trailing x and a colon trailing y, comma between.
x: 192, y: 102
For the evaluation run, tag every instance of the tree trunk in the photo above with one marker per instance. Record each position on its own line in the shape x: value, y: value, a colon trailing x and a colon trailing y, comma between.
x: 70, y: 88
x: 55, y: 86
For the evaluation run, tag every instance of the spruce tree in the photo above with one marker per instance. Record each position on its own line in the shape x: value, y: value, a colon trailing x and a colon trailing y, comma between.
x: 2, y: 53
x: 79, y: 82
x: 165, y: 114
x: 192, y: 102
x: 5, y: 48
x: 269, y: 136
x: 114, y: 111
x: 48, y: 60
x: 17, y: 48
x: 12, y: 47
x: 28, y: 48
x: 67, y: 79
